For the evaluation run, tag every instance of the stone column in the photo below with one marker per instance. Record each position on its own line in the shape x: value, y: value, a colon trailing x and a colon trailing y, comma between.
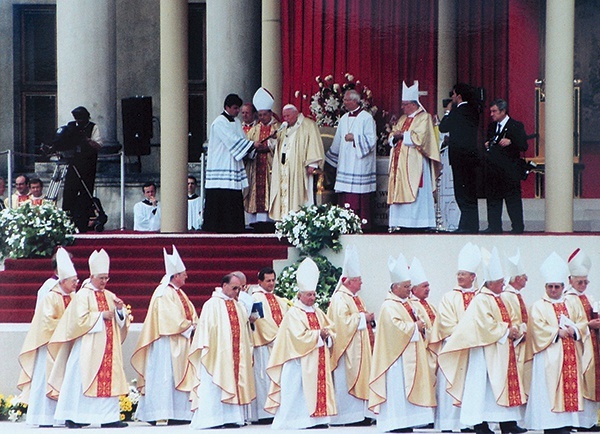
x: 560, y: 31
x: 446, y: 51
x: 271, y: 50
x: 86, y: 62
x: 232, y: 52
x: 174, y: 114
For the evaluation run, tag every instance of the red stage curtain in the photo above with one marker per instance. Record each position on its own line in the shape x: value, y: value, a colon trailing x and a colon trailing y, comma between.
x: 380, y: 42
x: 482, y: 46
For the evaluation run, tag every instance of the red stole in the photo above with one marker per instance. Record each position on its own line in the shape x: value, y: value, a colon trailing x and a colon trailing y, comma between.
x: 262, y: 171
x: 66, y: 300
x: 428, y: 309
x: 235, y: 340
x: 361, y: 308
x: 275, y: 308
x: 184, y: 303
x: 467, y: 297
x: 410, y: 310
x: 105, y: 371
x: 523, y: 307
x: 514, y: 390
x: 396, y: 151
x: 569, y: 367
x: 321, y: 410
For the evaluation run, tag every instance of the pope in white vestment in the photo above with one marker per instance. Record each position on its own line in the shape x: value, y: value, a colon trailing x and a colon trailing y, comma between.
x: 298, y: 153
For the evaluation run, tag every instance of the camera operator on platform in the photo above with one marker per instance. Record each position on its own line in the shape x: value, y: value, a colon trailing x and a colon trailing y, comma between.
x: 80, y: 140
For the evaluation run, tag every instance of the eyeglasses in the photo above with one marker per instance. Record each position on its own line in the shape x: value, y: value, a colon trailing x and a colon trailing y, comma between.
x: 582, y: 282
x: 550, y: 286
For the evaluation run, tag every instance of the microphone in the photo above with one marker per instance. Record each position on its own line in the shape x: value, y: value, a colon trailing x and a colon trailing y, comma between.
x: 281, y: 128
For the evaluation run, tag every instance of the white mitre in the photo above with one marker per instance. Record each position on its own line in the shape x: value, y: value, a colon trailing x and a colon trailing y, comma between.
x: 64, y: 265
x: 514, y: 265
x: 398, y: 269
x: 262, y: 99
x: 410, y: 93
x: 417, y: 272
x: 307, y: 276
x: 579, y: 263
x: 469, y: 258
x: 99, y: 262
x: 492, y: 266
x: 554, y: 269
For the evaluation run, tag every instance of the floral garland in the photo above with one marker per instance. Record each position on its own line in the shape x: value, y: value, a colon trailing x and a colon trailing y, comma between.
x: 327, y: 105
x: 312, y: 229
x: 30, y: 231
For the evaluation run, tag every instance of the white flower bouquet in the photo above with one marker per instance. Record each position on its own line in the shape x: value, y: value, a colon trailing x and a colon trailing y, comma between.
x: 30, y: 231
x: 315, y: 227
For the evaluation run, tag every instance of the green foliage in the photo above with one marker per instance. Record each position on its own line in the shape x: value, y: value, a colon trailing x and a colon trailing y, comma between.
x: 329, y: 275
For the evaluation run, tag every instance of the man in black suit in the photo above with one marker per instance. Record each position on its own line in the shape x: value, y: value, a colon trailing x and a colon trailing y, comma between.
x: 506, y: 139
x: 461, y: 121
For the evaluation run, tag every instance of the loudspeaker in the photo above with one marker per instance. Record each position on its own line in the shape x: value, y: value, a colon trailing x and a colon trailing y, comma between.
x: 137, y: 125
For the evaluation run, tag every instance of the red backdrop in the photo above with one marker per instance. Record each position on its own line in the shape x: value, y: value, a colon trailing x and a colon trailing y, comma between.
x: 380, y: 42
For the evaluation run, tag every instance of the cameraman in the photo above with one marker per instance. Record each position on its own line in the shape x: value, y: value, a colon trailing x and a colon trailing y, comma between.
x: 80, y: 139
x: 506, y: 139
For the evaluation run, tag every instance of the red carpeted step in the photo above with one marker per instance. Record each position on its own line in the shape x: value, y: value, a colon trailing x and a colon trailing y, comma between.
x: 137, y: 267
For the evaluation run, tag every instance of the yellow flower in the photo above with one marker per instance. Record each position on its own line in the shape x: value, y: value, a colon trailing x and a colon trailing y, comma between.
x: 122, y: 416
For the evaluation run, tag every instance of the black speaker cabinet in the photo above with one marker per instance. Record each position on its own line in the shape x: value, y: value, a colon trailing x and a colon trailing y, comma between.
x: 137, y: 125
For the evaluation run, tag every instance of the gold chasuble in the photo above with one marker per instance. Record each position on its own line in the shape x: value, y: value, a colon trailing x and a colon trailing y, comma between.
x: 451, y: 309
x: 591, y: 380
x: 298, y: 338
x: 297, y: 147
x: 564, y: 360
x: 484, y: 324
x: 274, y: 308
x: 170, y: 313
x: 101, y: 355
x: 406, y: 162
x: 42, y: 327
x: 258, y: 169
x: 396, y: 328
x: 222, y: 344
x: 344, y: 311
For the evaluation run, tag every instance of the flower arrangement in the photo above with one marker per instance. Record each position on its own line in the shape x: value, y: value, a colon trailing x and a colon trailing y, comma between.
x: 327, y: 105
x: 12, y: 409
x: 328, y: 278
x: 384, y: 122
x: 128, y: 403
x: 316, y: 227
x: 32, y: 231
x: 312, y: 229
